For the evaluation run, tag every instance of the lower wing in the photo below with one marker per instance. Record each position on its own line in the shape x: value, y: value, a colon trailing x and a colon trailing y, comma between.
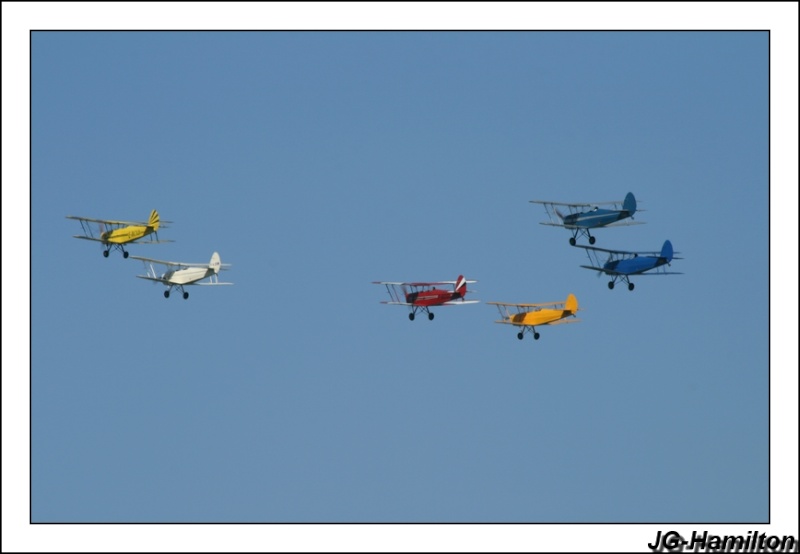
x: 156, y: 279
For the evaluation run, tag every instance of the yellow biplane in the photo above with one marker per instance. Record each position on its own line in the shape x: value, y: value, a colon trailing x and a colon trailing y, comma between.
x: 114, y: 234
x: 528, y: 316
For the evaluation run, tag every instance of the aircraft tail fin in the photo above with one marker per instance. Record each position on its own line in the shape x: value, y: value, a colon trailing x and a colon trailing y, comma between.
x: 154, y: 221
x: 629, y: 204
x: 215, y: 263
x: 666, y: 251
x: 571, y: 305
x: 461, y: 286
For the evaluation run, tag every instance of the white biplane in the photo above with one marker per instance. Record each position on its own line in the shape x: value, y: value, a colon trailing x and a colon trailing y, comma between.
x: 180, y: 274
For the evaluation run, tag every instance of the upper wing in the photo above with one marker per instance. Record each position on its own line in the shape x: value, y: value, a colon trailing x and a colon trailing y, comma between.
x: 540, y: 305
x: 620, y: 252
x: 107, y: 221
x: 171, y: 264
x: 571, y: 205
x: 418, y: 283
x: 578, y: 204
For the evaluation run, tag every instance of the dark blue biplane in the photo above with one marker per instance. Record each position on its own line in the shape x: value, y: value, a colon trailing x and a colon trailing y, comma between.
x: 620, y: 265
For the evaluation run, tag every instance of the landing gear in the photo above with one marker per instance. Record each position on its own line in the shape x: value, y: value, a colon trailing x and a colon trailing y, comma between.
x: 166, y: 294
x: 535, y: 335
x: 572, y: 241
x: 630, y: 286
x: 124, y: 254
x: 185, y: 295
x: 591, y: 239
x: 611, y: 285
x: 105, y: 253
x: 423, y: 309
x: 520, y: 335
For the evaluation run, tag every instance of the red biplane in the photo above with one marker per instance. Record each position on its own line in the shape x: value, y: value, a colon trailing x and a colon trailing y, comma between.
x: 421, y: 296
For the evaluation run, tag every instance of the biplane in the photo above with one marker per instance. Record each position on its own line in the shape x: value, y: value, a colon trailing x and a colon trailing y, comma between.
x: 114, y: 234
x: 528, y: 316
x: 181, y: 274
x: 579, y: 220
x: 620, y: 265
x: 420, y: 297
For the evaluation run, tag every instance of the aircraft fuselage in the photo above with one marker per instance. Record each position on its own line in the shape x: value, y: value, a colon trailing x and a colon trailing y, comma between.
x: 639, y: 264
x: 432, y: 297
x: 539, y: 317
x: 126, y: 234
x: 597, y: 217
x: 187, y: 275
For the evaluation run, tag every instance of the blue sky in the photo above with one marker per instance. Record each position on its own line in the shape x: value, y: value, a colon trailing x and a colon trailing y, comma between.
x: 316, y: 163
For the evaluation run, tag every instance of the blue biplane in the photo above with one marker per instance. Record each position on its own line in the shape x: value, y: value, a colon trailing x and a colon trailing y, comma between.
x: 579, y: 222
x: 620, y: 265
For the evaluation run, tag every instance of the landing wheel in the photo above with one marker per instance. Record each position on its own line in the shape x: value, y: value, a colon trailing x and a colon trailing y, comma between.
x: 105, y: 253
x: 611, y: 284
x: 411, y: 316
x: 536, y: 336
x: 591, y: 240
x: 520, y: 335
x: 630, y: 286
x: 572, y: 241
x: 430, y: 316
x: 166, y: 294
x: 124, y: 254
x: 185, y: 295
